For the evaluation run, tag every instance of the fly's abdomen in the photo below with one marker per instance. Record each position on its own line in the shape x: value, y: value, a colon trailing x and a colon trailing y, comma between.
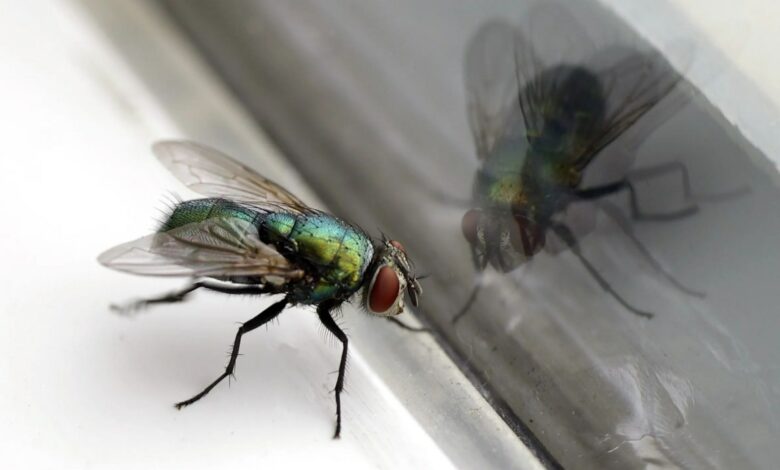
x: 199, y: 210
x: 338, y: 251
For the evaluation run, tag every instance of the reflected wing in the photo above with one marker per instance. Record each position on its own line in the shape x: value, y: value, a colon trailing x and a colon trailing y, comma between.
x: 491, y: 84
x: 212, y: 173
x: 566, y: 77
x: 566, y: 51
x: 215, y: 248
x: 633, y: 83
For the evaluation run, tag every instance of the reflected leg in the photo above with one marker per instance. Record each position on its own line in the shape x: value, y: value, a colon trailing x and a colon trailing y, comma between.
x: 323, y: 311
x: 645, y: 174
x: 264, y: 317
x: 568, y: 237
x: 636, y: 213
x: 617, y: 216
x: 472, y: 297
x: 642, y: 174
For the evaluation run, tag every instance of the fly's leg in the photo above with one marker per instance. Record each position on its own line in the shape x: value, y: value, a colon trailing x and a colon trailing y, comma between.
x: 480, y: 263
x: 402, y: 325
x: 264, y: 317
x: 654, y: 172
x: 617, y: 216
x: 636, y: 213
x: 670, y: 167
x: 469, y: 302
x: 641, y: 175
x: 180, y: 295
x: 568, y: 237
x: 323, y: 311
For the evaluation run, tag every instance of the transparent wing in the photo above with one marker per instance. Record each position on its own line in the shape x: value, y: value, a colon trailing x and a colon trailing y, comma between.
x: 215, y: 248
x: 569, y: 48
x: 492, y: 85
x: 570, y: 71
x: 212, y: 173
x: 634, y: 83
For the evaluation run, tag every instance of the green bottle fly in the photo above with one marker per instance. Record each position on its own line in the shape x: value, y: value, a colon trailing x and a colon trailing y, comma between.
x: 251, y: 236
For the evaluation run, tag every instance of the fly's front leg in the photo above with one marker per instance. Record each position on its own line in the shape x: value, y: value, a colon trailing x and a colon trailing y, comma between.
x: 480, y: 263
x: 469, y: 302
x: 324, y: 312
x: 181, y: 294
x: 264, y: 317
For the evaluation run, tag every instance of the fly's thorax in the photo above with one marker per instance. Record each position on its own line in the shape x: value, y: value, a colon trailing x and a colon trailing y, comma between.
x: 335, y: 253
x: 390, y: 275
x: 499, y: 180
x: 509, y: 191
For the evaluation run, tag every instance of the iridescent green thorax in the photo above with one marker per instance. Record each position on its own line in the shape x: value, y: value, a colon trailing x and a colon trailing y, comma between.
x: 334, y: 253
x: 521, y: 178
x: 340, y: 252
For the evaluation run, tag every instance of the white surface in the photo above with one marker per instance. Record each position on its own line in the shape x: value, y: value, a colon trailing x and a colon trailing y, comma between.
x: 80, y: 387
x: 737, y: 50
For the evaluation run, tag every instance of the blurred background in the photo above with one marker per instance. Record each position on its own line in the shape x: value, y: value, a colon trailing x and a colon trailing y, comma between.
x: 362, y: 108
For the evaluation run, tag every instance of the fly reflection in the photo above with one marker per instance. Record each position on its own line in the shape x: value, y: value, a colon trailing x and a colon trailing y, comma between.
x: 543, y: 111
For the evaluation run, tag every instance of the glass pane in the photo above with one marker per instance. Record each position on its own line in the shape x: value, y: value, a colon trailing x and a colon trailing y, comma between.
x: 368, y: 99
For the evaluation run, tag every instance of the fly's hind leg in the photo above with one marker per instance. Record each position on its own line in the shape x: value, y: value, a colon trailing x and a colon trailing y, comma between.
x: 181, y: 294
x: 264, y: 317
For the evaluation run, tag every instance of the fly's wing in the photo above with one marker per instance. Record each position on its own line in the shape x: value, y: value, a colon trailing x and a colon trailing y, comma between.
x: 552, y: 37
x: 214, y: 248
x: 631, y: 79
x: 556, y: 50
x: 634, y: 83
x: 212, y: 173
x: 492, y: 85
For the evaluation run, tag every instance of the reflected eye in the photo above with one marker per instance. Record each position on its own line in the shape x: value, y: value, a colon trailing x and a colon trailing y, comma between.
x: 526, y: 237
x: 384, y: 291
x: 469, y: 225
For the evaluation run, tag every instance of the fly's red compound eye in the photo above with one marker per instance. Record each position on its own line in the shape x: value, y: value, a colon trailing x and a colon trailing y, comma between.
x: 469, y: 225
x: 384, y: 290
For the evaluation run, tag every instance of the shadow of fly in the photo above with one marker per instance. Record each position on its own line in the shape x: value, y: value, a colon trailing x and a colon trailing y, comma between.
x: 542, y: 111
x: 250, y: 236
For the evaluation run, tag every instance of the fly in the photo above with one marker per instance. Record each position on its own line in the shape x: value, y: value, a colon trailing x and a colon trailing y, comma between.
x: 539, y: 124
x: 252, y: 236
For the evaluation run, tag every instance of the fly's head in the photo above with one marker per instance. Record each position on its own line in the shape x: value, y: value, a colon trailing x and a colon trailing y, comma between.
x: 502, y: 239
x: 392, y: 274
